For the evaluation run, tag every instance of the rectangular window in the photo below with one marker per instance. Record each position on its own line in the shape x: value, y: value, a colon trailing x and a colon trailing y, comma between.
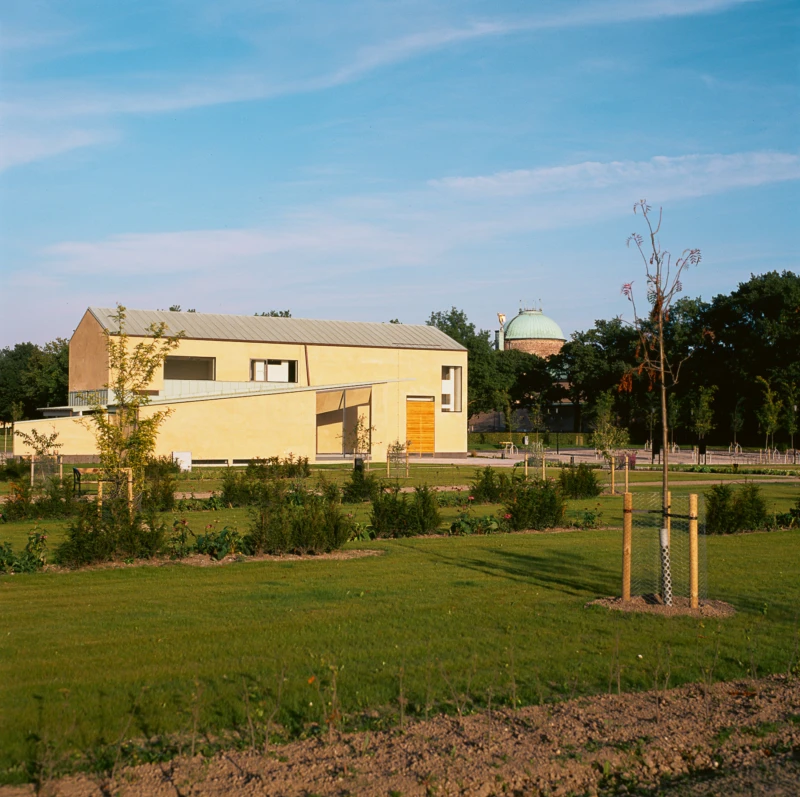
x: 451, y: 388
x: 273, y: 370
x: 194, y: 368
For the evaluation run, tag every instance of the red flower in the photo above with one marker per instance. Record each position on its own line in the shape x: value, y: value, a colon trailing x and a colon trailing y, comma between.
x: 507, y: 516
x: 472, y: 498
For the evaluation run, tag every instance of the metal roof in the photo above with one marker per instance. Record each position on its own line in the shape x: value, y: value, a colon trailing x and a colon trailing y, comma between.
x: 266, y: 329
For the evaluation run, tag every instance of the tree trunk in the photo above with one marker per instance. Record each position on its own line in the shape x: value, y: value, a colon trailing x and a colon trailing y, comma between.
x: 666, y: 574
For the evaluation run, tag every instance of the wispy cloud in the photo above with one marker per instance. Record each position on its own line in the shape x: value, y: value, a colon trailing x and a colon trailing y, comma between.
x: 248, y: 83
x: 421, y: 227
x: 686, y: 175
x: 17, y: 149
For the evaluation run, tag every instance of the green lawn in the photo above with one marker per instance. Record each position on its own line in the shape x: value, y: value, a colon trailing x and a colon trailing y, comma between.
x: 87, y: 655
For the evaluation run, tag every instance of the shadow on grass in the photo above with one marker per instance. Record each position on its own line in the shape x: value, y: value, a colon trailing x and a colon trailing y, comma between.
x: 568, y: 572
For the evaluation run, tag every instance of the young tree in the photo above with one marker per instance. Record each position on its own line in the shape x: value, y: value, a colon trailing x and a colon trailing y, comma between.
x: 792, y: 395
x: 663, y: 279
x: 43, y: 445
x: 608, y: 437
x: 737, y: 418
x: 126, y: 435
x: 769, y: 415
x: 674, y: 406
x: 703, y: 412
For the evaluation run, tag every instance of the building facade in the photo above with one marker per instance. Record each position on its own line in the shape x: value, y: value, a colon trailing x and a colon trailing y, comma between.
x: 240, y: 387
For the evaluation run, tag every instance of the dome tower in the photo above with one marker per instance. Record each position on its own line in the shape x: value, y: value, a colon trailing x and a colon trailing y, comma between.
x: 533, y: 332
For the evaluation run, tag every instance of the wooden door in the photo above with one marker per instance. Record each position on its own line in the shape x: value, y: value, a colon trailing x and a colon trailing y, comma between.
x: 420, y: 421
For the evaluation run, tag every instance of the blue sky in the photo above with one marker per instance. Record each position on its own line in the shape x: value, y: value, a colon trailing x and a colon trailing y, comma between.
x: 367, y: 159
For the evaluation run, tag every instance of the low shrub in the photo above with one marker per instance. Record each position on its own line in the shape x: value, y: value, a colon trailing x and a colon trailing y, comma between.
x: 491, y: 486
x: 113, y: 533
x: 361, y: 487
x: 291, y: 519
x: 729, y: 511
x: 218, y: 543
x: 579, y: 482
x: 160, y: 483
x: 393, y: 515
x: 181, y: 540
x: 276, y: 468
x: 14, y: 470
x: 467, y: 524
x: 790, y: 519
x: 535, y: 504
x: 33, y: 558
x: 53, y: 499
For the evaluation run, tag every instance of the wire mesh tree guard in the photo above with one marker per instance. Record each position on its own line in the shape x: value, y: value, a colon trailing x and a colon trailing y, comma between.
x: 664, y: 557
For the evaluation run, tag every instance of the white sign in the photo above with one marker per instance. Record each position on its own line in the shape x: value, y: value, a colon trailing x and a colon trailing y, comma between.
x: 184, y: 459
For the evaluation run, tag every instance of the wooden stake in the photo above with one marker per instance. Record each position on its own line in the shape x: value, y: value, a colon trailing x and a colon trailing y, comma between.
x: 33, y: 460
x: 694, y: 566
x: 388, y: 464
x: 526, y: 466
x: 613, y: 486
x: 627, y: 528
x: 626, y: 473
x: 99, y: 497
x: 544, y: 467
x: 60, y: 468
x: 406, y: 461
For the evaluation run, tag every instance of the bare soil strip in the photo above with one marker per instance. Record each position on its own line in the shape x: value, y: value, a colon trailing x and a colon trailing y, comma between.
x: 727, y: 739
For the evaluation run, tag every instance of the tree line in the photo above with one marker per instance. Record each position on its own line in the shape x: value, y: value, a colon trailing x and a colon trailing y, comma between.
x: 739, y: 379
x: 739, y: 376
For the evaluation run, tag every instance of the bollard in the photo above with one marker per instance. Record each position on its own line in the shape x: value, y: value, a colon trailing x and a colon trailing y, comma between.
x: 627, y: 529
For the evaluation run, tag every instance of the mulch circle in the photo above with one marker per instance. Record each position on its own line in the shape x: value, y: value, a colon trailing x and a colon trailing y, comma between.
x: 653, y: 604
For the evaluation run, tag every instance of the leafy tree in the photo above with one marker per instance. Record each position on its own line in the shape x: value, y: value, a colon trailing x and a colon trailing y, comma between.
x: 32, y: 377
x: 125, y: 434
x: 608, y: 437
x: 703, y: 412
x: 43, y: 445
x: 791, y: 395
x: 176, y: 308
x: 737, y: 417
x: 769, y: 414
x: 275, y: 314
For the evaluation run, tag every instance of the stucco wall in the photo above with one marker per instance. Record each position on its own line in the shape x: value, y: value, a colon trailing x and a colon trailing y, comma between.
x: 88, y: 359
x: 241, y: 428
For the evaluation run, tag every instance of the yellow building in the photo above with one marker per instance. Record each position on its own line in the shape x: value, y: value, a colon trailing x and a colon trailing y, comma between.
x: 240, y: 387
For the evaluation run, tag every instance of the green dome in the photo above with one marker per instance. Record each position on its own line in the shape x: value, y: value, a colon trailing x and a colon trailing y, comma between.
x: 532, y: 325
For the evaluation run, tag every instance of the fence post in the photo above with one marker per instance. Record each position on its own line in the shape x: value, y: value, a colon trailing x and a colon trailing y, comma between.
x: 626, y: 473
x: 694, y: 567
x: 627, y: 528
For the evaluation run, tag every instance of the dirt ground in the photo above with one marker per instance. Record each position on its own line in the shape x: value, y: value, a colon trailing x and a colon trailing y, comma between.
x: 730, y: 739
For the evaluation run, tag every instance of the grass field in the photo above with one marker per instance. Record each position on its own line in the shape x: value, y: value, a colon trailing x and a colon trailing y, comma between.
x: 156, y: 650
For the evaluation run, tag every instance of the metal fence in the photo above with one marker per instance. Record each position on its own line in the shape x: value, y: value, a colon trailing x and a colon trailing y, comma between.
x: 646, y: 549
